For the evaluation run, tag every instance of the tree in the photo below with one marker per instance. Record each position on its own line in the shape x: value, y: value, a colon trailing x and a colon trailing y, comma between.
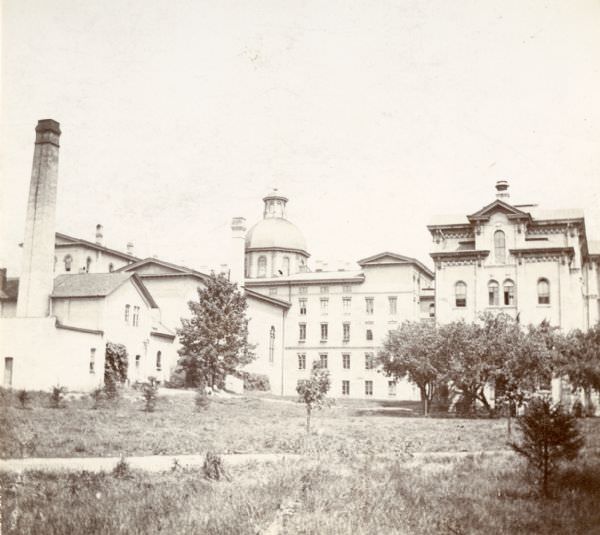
x: 214, y: 341
x: 413, y: 351
x: 549, y: 435
x: 312, y: 392
x: 115, y: 367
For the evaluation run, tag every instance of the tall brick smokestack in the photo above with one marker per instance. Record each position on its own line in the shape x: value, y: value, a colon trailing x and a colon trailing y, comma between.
x: 37, y: 278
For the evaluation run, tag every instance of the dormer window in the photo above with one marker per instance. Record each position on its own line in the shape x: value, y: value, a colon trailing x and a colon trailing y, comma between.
x: 500, y: 247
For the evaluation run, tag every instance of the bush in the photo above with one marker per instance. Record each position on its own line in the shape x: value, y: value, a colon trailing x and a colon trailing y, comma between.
x: 213, y: 467
x: 550, y: 435
x: 24, y: 398
x: 150, y: 395
x: 97, y: 395
x: 255, y: 381
x: 577, y: 409
x: 122, y: 470
x: 57, y: 397
x: 115, y: 368
x: 202, y: 398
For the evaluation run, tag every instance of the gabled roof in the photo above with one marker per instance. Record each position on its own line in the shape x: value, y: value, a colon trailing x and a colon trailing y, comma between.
x: 267, y: 298
x: 167, y: 267
x: 498, y: 205
x: 11, y: 290
x: 387, y: 258
x: 97, y: 285
x: 70, y: 240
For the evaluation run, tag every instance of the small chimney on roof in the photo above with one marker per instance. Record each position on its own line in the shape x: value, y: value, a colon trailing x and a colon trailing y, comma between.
x: 502, y: 190
x: 99, y: 234
x: 130, y: 248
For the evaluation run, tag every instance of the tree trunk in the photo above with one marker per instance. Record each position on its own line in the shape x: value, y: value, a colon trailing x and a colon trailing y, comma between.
x: 546, y: 470
x: 423, y: 390
x: 485, y: 402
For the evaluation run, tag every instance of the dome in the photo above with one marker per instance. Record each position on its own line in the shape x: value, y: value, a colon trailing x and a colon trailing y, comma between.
x: 275, y: 233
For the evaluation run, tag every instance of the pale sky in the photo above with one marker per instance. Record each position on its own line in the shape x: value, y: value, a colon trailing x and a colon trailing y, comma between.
x: 371, y: 116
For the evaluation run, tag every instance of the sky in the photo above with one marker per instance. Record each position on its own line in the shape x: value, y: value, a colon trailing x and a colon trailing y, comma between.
x: 370, y: 116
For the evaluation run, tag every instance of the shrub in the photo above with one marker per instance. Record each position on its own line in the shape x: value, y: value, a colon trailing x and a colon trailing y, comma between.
x: 24, y: 398
x: 115, y: 368
x: 97, y: 395
x: 255, y: 381
x: 202, y: 399
x: 150, y: 395
x: 57, y: 397
x: 550, y: 435
x: 213, y: 467
x: 122, y: 470
x: 577, y: 409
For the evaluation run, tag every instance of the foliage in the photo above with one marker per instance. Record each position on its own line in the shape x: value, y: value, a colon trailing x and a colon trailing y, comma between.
x: 57, y: 397
x: 550, y: 435
x: 413, y: 351
x: 150, y: 395
x: 24, y: 398
x: 213, y: 467
x: 115, y: 368
x: 255, y: 381
x: 97, y: 395
x: 214, y: 341
x: 122, y: 470
x: 202, y: 398
x: 312, y: 392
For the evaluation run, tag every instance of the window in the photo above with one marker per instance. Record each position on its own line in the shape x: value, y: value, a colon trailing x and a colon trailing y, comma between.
x: 346, y: 304
x: 158, y: 361
x: 460, y: 293
x: 323, y: 360
x: 272, y: 344
x: 500, y: 247
x: 55, y: 261
x: 324, y: 305
x: 302, y: 289
x: 347, y: 288
x: 369, y: 304
x: 302, y: 332
x: 391, y: 388
x: 432, y: 310
x: 393, y: 301
x: 262, y: 266
x: 137, y: 363
x: 369, y: 334
x: 286, y: 265
x: 92, y: 360
x: 136, y: 316
x: 509, y: 292
x: 273, y: 291
x: 88, y: 264
x: 369, y: 361
x: 324, y: 289
x: 543, y: 289
x: 345, y: 388
x: 127, y: 309
x: 324, y: 331
x: 68, y: 260
x: 111, y: 267
x: 368, y: 388
x: 302, y: 361
x: 346, y: 361
x: 8, y: 371
x: 493, y: 292
x: 302, y: 306
x: 346, y: 332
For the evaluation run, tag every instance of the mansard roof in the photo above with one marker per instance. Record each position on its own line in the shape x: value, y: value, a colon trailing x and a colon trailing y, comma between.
x: 70, y: 240
x: 388, y: 258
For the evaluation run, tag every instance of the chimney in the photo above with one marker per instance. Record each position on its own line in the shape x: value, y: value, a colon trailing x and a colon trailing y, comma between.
x: 37, y: 277
x: 130, y: 248
x: 2, y: 279
x: 238, y: 250
x: 99, y: 234
x: 502, y: 190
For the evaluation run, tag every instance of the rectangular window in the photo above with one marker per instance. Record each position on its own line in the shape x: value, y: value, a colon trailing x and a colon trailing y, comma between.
x: 302, y: 306
x: 273, y: 291
x: 393, y: 301
x: 347, y: 288
x: 127, y: 310
x: 369, y: 334
x: 158, y: 361
x: 324, y: 331
x: 92, y: 360
x: 368, y: 388
x: 136, y: 316
x: 302, y: 361
x: 346, y: 332
x: 345, y: 388
x: 324, y: 305
x: 324, y: 289
x: 369, y: 302
x: 391, y: 388
x: 302, y: 332
x: 323, y: 360
x: 369, y: 361
x: 302, y: 289
x: 346, y: 361
x: 346, y: 304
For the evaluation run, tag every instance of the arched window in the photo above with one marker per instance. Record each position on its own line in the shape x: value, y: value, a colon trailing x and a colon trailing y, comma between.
x: 432, y: 310
x: 88, y: 264
x: 111, y: 267
x: 460, y: 294
x: 543, y: 289
x: 509, y: 292
x: 500, y: 247
x: 262, y: 266
x: 158, y: 361
x: 68, y: 260
x: 493, y: 293
x: 272, y: 344
x: 286, y: 266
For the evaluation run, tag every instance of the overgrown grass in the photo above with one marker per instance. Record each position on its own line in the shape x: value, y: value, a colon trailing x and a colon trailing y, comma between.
x: 237, y: 425
x: 332, y: 496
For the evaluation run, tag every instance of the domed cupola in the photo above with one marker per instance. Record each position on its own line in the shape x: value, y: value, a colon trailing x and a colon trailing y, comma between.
x: 275, y: 247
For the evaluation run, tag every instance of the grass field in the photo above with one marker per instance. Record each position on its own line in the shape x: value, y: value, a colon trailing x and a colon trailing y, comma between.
x: 341, y: 485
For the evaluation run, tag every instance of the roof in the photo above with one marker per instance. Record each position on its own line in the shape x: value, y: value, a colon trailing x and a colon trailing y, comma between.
x: 387, y: 258
x: 11, y: 290
x: 97, y: 285
x: 158, y: 329
x: 170, y: 269
x: 267, y: 298
x: 78, y: 241
x: 309, y: 277
x: 594, y: 247
x: 275, y: 233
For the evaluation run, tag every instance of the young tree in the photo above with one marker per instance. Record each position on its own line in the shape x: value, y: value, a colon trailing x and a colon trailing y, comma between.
x: 549, y: 435
x: 115, y: 368
x: 413, y: 351
x: 214, y: 341
x: 312, y: 392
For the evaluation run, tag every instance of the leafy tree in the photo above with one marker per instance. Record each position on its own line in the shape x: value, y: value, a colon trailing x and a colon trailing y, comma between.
x: 413, y: 351
x: 116, y: 363
x: 214, y: 341
x: 549, y: 435
x: 312, y: 392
